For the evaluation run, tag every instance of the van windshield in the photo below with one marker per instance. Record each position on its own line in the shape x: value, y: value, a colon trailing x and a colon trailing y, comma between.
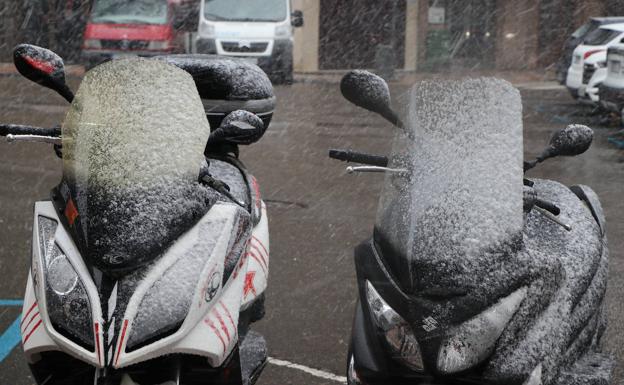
x: 129, y: 12
x: 245, y: 10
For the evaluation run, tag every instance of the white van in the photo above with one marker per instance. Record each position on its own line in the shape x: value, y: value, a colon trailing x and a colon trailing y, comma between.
x: 260, y: 31
x: 589, y: 62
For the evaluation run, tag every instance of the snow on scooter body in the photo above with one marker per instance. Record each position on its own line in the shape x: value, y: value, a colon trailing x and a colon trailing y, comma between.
x: 149, y: 260
x: 471, y: 277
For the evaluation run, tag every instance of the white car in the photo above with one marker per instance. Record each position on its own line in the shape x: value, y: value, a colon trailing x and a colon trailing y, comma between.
x: 589, y: 62
x: 612, y: 89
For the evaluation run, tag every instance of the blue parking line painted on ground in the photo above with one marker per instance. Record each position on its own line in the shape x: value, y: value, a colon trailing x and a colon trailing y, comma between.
x: 10, y: 339
x: 11, y: 302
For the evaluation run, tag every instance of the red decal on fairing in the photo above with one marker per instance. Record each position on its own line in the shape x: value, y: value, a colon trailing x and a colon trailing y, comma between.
x: 261, y: 245
x: 32, y: 331
x: 249, y: 284
x: 227, y: 312
x: 123, y: 335
x: 97, y: 341
x: 29, y: 322
x: 71, y: 213
x: 250, y: 253
x: 261, y: 255
x: 27, y: 313
x: 256, y: 187
x: 216, y: 332
x: 40, y: 65
x: 223, y: 327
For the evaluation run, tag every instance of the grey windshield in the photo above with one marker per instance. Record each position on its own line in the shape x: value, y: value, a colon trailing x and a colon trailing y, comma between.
x: 462, y: 193
x: 133, y: 144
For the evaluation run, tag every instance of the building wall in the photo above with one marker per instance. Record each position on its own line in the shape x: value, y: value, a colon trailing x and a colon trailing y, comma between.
x: 306, y: 49
x: 517, y: 34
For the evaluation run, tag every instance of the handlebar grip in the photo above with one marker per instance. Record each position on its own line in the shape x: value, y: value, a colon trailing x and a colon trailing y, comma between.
x: 18, y: 129
x: 359, y: 157
x: 550, y: 207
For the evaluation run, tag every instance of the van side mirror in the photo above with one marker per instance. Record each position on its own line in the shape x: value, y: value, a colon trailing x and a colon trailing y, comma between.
x: 42, y: 66
x: 296, y: 19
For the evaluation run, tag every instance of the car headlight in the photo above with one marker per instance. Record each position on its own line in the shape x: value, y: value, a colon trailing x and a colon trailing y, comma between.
x: 396, y: 331
x: 474, y: 340
x: 67, y: 302
x: 206, y: 29
x: 282, y: 30
x: 158, y: 45
x: 93, y: 43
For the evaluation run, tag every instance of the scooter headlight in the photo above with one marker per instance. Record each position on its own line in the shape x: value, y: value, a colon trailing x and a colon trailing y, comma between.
x: 93, y: 44
x: 158, y: 45
x: 282, y: 30
x: 396, y: 331
x: 206, y: 30
x: 67, y: 302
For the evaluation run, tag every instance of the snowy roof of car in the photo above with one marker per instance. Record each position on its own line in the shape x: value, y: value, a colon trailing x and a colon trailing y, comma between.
x: 616, y: 27
x: 609, y: 18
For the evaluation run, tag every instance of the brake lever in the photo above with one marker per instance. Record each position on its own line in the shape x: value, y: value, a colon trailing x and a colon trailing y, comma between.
x: 220, y: 187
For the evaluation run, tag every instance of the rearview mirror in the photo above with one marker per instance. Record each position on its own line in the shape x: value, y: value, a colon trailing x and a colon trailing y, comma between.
x: 296, y: 19
x: 238, y: 127
x: 371, y: 92
x: 42, y: 66
x: 572, y: 140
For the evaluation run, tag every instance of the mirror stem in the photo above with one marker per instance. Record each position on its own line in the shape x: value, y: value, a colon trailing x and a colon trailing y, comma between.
x: 66, y: 93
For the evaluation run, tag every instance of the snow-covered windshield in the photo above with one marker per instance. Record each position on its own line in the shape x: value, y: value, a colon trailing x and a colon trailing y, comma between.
x: 133, y: 144
x: 461, y: 194
x: 245, y: 10
x: 129, y: 11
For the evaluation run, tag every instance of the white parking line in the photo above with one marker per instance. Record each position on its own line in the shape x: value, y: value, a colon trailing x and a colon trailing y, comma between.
x: 311, y: 371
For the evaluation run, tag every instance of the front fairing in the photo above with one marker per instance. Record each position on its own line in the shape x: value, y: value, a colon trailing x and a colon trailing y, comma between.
x: 453, y: 254
x: 155, y: 310
x: 133, y: 143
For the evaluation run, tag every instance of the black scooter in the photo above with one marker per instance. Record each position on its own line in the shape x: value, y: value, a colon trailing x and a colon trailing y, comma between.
x: 474, y: 273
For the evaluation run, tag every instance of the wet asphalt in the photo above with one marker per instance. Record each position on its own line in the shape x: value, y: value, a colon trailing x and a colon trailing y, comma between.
x: 317, y: 212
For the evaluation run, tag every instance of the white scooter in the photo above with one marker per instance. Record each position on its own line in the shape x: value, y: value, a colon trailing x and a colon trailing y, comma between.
x: 150, y: 259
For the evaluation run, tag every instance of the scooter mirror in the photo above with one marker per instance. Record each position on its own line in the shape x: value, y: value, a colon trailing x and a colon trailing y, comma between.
x: 369, y: 91
x: 42, y: 66
x: 238, y: 127
x: 573, y: 140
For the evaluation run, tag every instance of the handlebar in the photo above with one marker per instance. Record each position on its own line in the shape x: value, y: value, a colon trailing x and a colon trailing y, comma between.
x: 359, y: 157
x: 548, y: 206
x: 18, y: 129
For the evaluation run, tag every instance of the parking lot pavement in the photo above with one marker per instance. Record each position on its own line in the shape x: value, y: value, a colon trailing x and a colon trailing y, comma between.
x: 317, y: 214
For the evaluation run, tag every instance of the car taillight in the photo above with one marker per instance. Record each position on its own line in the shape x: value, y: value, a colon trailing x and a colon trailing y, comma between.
x: 396, y: 331
x: 589, y: 53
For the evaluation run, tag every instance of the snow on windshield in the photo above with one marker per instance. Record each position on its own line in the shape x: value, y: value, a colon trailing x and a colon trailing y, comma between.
x: 133, y: 145
x: 463, y: 196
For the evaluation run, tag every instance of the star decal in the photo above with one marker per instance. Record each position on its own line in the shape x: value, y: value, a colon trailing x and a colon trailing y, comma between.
x: 249, y: 283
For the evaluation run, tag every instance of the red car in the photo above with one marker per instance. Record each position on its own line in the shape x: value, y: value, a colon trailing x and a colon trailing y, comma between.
x: 136, y: 27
